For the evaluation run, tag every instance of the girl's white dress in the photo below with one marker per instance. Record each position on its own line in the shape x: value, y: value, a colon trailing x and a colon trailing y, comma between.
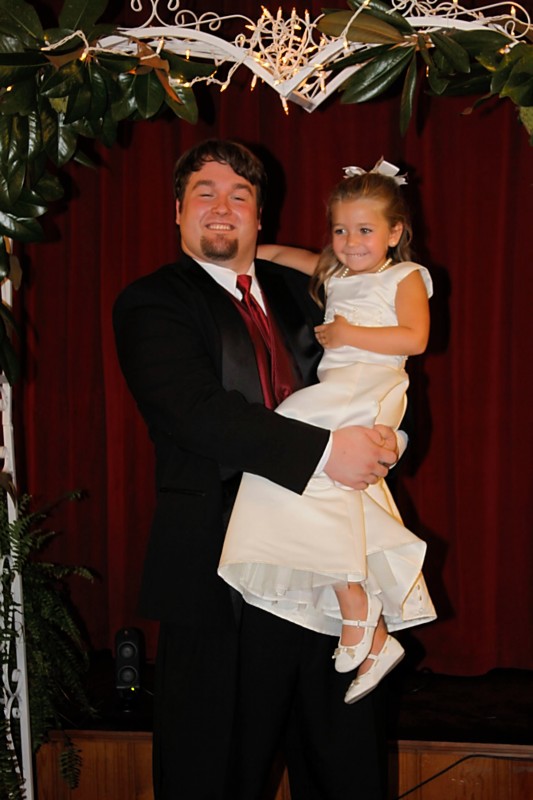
x: 286, y: 552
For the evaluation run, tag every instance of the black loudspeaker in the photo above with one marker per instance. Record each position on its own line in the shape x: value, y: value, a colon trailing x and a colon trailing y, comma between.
x: 128, y: 658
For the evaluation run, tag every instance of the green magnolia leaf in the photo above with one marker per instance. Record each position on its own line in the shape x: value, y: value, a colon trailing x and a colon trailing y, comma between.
x: 9, y: 362
x: 15, y: 67
x: 18, y: 149
x: 59, y: 104
x: 384, y: 12
x: 361, y: 56
x: 115, y: 62
x: 37, y: 166
x: 526, y: 118
x: 90, y: 128
x: 505, y: 67
x: 491, y: 60
x: 477, y: 82
x: 20, y: 99
x: 187, y: 109
x: 480, y: 41
x: 80, y: 157
x: 10, y: 44
x: 100, y: 81
x: 453, y: 53
x: 4, y: 260
x: 186, y: 69
x: 64, y: 80
x: 109, y: 131
x: 27, y: 209
x: 23, y: 230
x: 35, y: 139
x: 514, y: 79
x: 12, y: 182
x: 437, y: 83
x: 365, y: 28
x: 59, y: 141
x: 11, y: 323
x: 79, y: 104
x: 111, y: 81
x: 408, y: 93
x: 376, y: 76
x: 96, y: 32
x: 126, y: 105
x: 81, y: 14
x: 5, y: 199
x: 424, y: 51
x: 149, y: 94
x: 519, y: 88
x: 48, y: 188
x: 33, y: 203
x: 55, y: 35
x: 20, y: 19
x: 6, y: 124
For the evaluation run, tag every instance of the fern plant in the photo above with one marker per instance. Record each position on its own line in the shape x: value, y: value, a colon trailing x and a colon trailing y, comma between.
x: 56, y: 655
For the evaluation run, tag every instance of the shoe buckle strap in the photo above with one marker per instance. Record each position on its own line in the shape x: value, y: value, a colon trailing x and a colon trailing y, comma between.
x: 359, y: 623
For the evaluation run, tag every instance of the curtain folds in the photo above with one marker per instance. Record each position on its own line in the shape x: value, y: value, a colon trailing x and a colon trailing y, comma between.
x: 464, y: 485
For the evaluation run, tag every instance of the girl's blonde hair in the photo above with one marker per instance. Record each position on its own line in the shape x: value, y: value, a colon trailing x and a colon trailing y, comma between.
x: 373, y: 186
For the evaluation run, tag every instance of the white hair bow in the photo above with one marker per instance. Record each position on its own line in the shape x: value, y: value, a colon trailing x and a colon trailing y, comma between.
x: 382, y: 168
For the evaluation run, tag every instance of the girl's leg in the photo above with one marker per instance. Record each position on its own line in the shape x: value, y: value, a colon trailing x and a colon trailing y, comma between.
x: 353, y: 603
x: 360, y: 614
x: 365, y: 645
x: 380, y: 636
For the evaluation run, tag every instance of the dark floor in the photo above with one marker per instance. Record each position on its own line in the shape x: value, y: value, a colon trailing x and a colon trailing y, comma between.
x: 493, y: 708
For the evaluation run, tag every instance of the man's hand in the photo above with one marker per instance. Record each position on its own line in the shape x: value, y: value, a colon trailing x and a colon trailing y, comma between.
x: 390, y: 441
x: 360, y: 456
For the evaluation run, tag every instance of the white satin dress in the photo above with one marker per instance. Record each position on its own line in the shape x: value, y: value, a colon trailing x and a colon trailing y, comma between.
x: 286, y: 552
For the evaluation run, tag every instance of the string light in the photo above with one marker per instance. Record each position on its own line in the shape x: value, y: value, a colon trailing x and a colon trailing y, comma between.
x: 290, y: 54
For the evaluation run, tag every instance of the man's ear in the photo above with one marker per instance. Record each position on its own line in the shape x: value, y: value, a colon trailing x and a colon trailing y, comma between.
x: 177, y: 212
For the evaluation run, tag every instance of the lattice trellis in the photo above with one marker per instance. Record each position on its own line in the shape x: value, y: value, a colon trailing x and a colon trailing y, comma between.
x: 15, y: 697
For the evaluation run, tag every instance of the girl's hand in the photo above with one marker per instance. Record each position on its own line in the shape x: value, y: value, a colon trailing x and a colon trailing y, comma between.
x: 334, y: 334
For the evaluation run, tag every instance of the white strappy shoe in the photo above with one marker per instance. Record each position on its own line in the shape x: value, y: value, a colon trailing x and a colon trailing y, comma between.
x: 390, y: 654
x: 348, y: 657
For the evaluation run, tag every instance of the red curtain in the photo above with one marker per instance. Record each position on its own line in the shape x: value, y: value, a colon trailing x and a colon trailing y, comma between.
x: 464, y: 485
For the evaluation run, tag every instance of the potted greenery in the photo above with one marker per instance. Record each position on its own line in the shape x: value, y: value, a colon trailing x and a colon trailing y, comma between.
x: 56, y: 655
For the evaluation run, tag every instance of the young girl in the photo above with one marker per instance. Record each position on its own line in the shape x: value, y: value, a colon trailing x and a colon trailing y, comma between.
x: 336, y: 560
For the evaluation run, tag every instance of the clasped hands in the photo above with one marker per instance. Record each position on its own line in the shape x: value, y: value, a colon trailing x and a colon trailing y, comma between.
x: 361, y: 456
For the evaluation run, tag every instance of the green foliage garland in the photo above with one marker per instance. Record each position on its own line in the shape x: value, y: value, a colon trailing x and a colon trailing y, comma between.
x: 454, y: 62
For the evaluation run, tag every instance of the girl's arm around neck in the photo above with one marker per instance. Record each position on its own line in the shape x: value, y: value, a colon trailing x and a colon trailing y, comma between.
x: 295, y: 257
x: 408, y: 338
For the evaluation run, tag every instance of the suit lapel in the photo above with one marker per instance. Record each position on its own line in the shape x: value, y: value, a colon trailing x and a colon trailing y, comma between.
x: 233, y: 346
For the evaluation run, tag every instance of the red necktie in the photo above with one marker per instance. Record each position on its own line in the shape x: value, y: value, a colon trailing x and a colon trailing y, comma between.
x: 277, y: 373
x: 244, y: 283
x: 259, y: 330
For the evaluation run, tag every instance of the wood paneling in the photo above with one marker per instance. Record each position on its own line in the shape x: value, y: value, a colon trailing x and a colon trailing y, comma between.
x: 117, y: 766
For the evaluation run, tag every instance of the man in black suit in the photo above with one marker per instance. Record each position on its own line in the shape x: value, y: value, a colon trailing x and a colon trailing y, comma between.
x: 233, y: 683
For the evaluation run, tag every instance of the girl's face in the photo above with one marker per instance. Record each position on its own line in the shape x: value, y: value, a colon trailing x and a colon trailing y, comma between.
x: 361, y: 234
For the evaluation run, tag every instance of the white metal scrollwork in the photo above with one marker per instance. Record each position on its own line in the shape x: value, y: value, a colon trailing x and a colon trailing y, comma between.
x: 14, y: 698
x: 290, y: 54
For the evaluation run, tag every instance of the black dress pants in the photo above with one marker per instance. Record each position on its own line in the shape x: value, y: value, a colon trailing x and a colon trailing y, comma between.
x: 227, y: 702
x: 290, y: 696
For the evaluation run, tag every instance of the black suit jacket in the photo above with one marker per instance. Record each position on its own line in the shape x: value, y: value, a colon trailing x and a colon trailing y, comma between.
x: 189, y: 362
